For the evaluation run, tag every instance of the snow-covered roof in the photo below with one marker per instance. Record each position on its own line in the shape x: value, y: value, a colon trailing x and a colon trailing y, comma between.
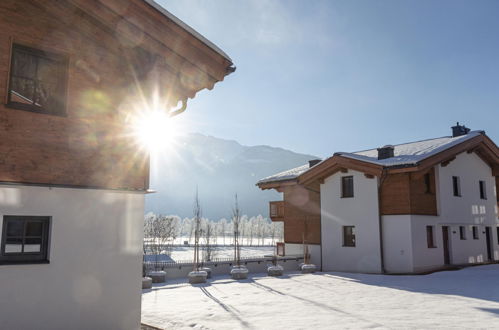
x: 405, y: 154
x: 411, y: 153
x: 286, y: 175
x: 186, y: 27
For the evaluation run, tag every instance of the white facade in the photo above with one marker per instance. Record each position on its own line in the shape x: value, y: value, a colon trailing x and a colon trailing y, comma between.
x: 405, y: 235
x: 405, y: 246
x: 360, y: 211
x: 93, y: 279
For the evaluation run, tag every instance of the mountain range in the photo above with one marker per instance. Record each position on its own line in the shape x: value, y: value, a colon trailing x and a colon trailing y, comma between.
x: 218, y: 169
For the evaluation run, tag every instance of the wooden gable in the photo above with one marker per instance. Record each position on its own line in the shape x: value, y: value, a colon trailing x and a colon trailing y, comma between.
x: 119, y: 53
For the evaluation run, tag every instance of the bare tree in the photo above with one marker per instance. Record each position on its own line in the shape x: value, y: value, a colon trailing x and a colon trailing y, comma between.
x: 209, y: 238
x: 236, y: 220
x: 159, y: 230
x: 197, y: 231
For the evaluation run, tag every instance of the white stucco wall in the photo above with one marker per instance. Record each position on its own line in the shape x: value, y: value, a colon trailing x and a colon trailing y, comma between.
x: 360, y: 211
x: 94, y: 275
x: 291, y: 249
x: 397, y: 243
x: 466, y: 210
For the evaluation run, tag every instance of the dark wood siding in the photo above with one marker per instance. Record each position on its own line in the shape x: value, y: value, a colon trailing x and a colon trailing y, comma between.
x: 301, y: 215
x: 408, y: 193
x: 91, y: 146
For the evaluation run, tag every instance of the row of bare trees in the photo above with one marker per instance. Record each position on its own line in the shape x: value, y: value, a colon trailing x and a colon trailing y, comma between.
x: 252, y: 230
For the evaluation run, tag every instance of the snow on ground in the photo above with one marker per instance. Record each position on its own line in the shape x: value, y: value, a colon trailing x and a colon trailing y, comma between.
x: 467, y: 298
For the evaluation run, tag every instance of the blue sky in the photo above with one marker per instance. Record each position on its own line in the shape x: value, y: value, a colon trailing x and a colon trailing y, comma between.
x: 323, y: 76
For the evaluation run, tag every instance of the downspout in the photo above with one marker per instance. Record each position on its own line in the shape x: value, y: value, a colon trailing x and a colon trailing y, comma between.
x: 380, y: 222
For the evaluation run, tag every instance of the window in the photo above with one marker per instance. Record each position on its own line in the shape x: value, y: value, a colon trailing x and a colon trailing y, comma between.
x: 348, y: 236
x: 456, y: 186
x: 37, y: 81
x: 483, y: 191
x: 427, y: 183
x: 346, y: 186
x: 462, y: 232
x: 475, y: 232
x: 24, y: 239
x: 429, y: 237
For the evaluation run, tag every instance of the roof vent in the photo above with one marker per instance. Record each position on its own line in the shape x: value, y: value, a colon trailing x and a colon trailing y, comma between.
x: 385, y: 152
x: 459, y: 130
x: 313, y: 162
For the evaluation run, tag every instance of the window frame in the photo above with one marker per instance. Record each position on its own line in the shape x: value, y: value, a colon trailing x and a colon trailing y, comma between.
x: 456, y: 186
x: 474, y: 230
x: 349, y: 240
x: 483, y: 189
x: 42, y: 256
x: 346, y: 181
x: 430, y: 237
x: 462, y: 233
x: 62, y: 61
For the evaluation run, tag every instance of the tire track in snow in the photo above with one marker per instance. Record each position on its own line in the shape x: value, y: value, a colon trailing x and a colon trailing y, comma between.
x: 318, y: 304
x: 228, y: 308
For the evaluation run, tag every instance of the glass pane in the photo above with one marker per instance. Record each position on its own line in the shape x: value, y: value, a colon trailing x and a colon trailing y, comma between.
x: 13, y: 245
x: 47, y: 83
x: 15, y: 228
x: 33, y: 228
x: 32, y: 245
x: 23, y: 82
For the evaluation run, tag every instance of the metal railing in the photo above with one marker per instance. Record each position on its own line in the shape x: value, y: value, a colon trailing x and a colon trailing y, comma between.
x: 162, y: 265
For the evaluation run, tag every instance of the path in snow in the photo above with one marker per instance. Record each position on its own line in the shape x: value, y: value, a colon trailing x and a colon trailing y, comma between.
x: 468, y: 298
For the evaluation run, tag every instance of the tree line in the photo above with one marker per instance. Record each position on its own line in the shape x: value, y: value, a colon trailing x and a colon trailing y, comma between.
x: 172, y: 229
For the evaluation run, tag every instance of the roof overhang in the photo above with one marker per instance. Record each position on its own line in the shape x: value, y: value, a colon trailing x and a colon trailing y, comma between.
x: 335, y: 164
x: 277, y: 185
x: 481, y: 145
x: 191, y: 62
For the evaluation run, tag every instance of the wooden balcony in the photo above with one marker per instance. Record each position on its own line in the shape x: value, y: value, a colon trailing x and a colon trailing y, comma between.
x: 276, y: 210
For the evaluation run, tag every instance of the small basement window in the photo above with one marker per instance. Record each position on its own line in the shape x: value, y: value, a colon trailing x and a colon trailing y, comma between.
x: 456, y: 186
x: 475, y: 232
x: 483, y: 190
x: 37, y: 81
x: 348, y: 235
x: 429, y: 237
x: 462, y: 232
x: 24, y: 239
x: 346, y: 186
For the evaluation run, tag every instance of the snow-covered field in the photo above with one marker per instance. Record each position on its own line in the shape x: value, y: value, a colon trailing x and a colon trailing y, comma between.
x: 181, y: 253
x: 467, y: 298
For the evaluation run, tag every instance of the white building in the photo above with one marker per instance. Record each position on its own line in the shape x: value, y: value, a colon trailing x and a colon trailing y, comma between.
x: 409, y: 208
x: 73, y: 76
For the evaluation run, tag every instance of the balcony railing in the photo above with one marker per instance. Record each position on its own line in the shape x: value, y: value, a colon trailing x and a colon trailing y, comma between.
x: 276, y: 210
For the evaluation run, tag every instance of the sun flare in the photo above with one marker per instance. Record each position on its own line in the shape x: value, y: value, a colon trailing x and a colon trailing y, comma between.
x: 156, y: 130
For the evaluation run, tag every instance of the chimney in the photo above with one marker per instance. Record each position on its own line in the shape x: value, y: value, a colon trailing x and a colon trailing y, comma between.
x: 385, y: 152
x: 459, y: 130
x: 313, y: 162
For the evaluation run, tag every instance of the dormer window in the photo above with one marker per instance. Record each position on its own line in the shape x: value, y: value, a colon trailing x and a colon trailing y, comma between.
x: 37, y: 81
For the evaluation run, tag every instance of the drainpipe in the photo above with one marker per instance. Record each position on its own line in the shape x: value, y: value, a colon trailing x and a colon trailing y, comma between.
x: 178, y: 111
x: 380, y: 222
